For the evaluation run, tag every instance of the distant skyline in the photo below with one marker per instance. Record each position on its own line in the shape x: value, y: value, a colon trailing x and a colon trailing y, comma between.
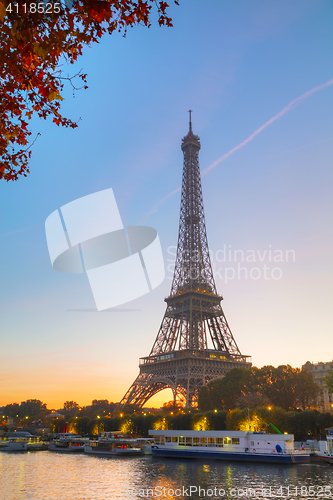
x: 258, y: 77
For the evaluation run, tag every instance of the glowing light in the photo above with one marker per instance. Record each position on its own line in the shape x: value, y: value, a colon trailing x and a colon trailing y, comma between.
x: 160, y: 425
x: 201, y: 425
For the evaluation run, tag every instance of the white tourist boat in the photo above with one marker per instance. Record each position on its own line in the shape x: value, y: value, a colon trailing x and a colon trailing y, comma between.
x: 327, y: 453
x: 68, y: 443
x: 242, y: 446
x: 113, y: 444
x: 13, y: 444
x: 22, y: 441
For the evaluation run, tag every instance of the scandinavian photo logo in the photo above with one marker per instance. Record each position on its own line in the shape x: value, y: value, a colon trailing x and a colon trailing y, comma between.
x: 230, y: 264
x: 87, y: 235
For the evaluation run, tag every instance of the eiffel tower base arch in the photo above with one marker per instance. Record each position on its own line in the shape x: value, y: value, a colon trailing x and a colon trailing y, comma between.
x: 184, y: 373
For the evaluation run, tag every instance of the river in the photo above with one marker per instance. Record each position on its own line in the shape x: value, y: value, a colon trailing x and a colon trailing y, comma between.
x: 54, y: 476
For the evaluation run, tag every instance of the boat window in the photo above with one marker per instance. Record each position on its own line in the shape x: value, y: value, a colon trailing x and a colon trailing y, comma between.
x: 227, y: 440
x: 211, y: 441
x: 188, y: 441
x: 181, y: 440
x: 252, y: 443
x: 157, y: 440
x: 219, y: 441
x: 168, y: 439
x: 174, y: 439
x: 203, y: 441
x: 235, y: 440
x: 196, y: 441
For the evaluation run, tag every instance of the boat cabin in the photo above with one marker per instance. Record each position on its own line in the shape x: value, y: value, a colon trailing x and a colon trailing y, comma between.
x: 228, y: 441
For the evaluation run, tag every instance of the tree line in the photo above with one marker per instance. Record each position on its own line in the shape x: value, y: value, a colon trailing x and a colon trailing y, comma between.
x: 283, y: 386
x: 36, y: 409
x: 308, y: 424
x: 91, y: 419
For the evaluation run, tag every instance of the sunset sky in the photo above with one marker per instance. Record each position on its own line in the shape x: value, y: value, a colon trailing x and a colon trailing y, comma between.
x: 259, y: 78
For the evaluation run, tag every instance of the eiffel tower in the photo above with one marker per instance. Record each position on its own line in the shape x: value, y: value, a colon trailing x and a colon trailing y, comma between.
x: 181, y: 358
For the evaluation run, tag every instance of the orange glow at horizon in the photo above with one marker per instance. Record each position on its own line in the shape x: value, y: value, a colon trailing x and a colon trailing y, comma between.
x: 82, y: 393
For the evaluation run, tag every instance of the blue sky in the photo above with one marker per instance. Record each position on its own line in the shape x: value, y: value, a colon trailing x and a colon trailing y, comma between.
x: 236, y: 64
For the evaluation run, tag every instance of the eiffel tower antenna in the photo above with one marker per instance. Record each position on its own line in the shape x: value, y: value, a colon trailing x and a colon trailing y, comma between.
x: 190, y: 125
x: 194, y: 344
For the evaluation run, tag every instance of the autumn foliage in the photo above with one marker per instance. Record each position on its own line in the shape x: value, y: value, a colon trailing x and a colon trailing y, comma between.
x: 283, y: 386
x: 34, y: 49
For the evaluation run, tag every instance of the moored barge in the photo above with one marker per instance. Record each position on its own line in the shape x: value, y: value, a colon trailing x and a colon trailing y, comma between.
x: 113, y: 444
x: 242, y: 446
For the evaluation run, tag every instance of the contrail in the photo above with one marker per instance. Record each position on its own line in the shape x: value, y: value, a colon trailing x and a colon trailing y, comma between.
x: 159, y: 203
x: 252, y: 136
x: 260, y: 129
x: 19, y: 230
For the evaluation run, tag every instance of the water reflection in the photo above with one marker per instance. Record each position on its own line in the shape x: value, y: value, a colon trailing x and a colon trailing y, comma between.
x: 50, y: 476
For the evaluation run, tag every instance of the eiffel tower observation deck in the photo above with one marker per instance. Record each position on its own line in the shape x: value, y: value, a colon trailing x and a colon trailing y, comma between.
x: 194, y: 344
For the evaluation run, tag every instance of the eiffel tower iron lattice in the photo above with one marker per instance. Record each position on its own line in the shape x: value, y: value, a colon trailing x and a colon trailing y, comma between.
x: 181, y: 358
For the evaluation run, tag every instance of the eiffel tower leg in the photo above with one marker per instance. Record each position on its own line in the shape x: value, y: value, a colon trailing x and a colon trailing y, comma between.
x: 146, y: 386
x: 181, y: 396
x: 174, y: 393
x: 188, y: 396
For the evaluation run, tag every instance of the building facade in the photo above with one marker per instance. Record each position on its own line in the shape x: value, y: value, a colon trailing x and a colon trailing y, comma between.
x: 320, y: 371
